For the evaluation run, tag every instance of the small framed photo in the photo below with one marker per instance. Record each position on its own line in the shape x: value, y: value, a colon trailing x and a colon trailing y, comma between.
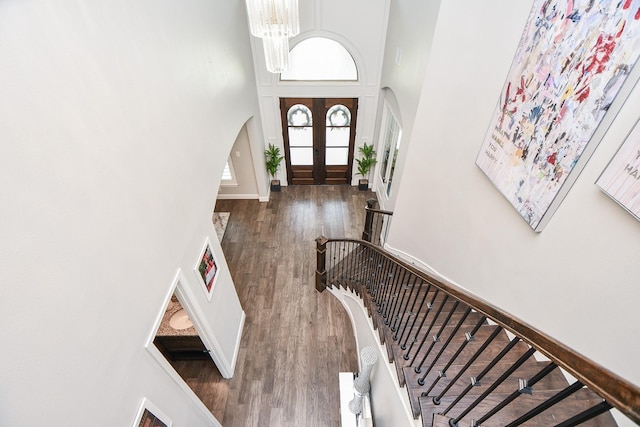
x: 207, y: 269
x: 150, y: 416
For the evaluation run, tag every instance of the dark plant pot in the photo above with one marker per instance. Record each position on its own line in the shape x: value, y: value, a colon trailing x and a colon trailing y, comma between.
x: 275, y: 185
x: 363, y: 184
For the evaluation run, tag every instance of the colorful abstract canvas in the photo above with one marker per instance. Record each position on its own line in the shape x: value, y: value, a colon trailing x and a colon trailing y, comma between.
x: 621, y: 179
x: 572, y: 60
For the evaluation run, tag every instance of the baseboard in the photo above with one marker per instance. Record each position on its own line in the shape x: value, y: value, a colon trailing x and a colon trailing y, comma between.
x: 238, y: 196
x: 422, y: 265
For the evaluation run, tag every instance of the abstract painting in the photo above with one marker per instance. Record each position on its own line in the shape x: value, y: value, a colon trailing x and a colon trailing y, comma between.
x: 621, y: 178
x: 572, y: 60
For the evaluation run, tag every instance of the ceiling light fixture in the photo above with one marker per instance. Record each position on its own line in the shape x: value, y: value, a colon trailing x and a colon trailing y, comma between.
x: 275, y: 22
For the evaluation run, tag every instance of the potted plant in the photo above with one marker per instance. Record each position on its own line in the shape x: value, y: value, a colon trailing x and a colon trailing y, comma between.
x: 272, y: 161
x: 365, y: 163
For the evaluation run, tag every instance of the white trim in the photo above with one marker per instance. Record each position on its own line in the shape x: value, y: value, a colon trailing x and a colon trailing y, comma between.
x: 145, y: 403
x: 216, y: 274
x: 389, y: 368
x: 251, y: 196
x: 158, y: 357
x: 180, y: 286
x: 236, y: 351
x: 415, y: 261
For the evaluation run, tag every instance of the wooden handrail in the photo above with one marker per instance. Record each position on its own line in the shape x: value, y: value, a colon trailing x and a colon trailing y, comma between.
x: 619, y: 392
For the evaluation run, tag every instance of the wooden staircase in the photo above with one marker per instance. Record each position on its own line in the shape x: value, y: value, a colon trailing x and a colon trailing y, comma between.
x: 462, y: 361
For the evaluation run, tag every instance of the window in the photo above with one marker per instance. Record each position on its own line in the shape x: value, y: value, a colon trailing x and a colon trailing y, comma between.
x: 228, y: 175
x: 338, y: 131
x: 319, y: 58
x: 300, y: 121
x: 392, y: 134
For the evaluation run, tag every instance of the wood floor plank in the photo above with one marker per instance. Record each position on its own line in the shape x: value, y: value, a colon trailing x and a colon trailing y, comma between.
x: 295, y: 340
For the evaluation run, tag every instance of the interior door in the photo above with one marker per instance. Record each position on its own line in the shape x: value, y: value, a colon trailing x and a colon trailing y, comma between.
x: 319, y: 136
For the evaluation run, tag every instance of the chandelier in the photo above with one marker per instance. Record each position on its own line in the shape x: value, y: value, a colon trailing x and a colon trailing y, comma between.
x: 275, y: 22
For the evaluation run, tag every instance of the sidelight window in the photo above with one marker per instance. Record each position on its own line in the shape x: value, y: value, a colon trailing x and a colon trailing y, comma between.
x: 300, y: 125
x: 338, y: 132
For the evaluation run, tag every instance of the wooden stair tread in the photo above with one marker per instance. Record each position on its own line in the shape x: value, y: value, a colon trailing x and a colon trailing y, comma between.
x: 405, y: 310
x: 574, y: 404
x: 554, y: 382
x: 467, y: 352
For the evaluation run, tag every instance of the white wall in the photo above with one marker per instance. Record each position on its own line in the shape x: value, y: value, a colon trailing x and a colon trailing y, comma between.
x: 410, y: 34
x: 576, y: 280
x: 113, y: 116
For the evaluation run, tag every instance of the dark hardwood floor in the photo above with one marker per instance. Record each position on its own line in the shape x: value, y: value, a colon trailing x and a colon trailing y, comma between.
x: 295, y: 339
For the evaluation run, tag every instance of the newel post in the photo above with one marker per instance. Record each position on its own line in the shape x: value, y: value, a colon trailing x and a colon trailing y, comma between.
x: 368, y: 222
x: 321, y: 259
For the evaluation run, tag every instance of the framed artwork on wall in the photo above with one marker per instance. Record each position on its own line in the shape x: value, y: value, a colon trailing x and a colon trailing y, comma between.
x: 565, y: 81
x: 150, y: 416
x: 206, y: 269
x: 621, y: 178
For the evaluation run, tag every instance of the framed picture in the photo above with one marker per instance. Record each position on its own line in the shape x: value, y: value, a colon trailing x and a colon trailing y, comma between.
x: 621, y: 178
x: 207, y: 269
x: 570, y: 66
x: 150, y: 416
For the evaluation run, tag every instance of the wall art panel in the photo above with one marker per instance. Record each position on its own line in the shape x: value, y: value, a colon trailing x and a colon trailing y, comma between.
x: 621, y: 179
x: 571, y: 63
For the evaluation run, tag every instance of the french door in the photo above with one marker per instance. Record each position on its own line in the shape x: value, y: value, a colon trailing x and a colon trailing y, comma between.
x: 319, y: 136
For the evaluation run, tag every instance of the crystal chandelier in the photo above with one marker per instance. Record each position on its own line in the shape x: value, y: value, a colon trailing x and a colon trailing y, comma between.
x: 275, y: 22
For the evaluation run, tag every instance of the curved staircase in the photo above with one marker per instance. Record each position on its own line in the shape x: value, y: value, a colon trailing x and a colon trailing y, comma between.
x: 465, y: 362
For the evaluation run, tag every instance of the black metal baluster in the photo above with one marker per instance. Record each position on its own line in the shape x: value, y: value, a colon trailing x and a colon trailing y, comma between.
x: 568, y: 391
x: 404, y: 302
x: 590, y: 413
x: 483, y: 347
x: 443, y: 373
x: 413, y: 313
x: 446, y: 344
x: 526, y: 388
x: 376, y: 274
x: 476, y: 380
x: 398, y: 276
x: 385, y: 282
x: 424, y: 318
x: 341, y: 263
x: 436, y: 337
x: 358, y: 267
x: 504, y: 376
x: 433, y: 322
x: 354, y: 267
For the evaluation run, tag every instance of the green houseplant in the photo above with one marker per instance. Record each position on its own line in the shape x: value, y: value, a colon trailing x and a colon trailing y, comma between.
x: 365, y: 163
x: 272, y: 161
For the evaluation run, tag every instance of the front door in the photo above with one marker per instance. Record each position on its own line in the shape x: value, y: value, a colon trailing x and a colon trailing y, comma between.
x: 319, y: 136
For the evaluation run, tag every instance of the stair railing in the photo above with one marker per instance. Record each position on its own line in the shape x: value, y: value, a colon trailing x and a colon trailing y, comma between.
x: 376, y: 223
x: 420, y: 317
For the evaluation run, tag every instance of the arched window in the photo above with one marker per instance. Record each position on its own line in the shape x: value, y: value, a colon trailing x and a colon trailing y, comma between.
x: 319, y: 58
